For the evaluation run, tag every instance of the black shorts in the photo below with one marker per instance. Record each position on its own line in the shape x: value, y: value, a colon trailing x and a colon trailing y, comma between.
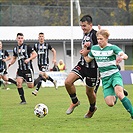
x: 27, y: 75
x: 43, y: 68
x: 91, y: 75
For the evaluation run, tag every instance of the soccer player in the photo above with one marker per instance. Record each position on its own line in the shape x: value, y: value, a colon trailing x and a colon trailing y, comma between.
x: 82, y: 70
x: 42, y: 48
x: 4, y: 56
x: 105, y: 55
x: 25, y: 55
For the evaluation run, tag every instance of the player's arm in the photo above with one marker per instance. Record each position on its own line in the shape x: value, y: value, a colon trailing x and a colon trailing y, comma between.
x: 85, y: 55
x: 13, y: 60
x: 7, y: 56
x: 122, y: 56
x: 87, y: 59
x: 86, y: 49
x: 54, y: 55
x: 33, y: 56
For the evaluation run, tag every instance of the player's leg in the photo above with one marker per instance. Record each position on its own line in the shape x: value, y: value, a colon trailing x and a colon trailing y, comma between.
x: 44, y: 69
x: 92, y: 77
x: 125, y: 101
x: 20, y: 90
x: 109, y: 93
x: 12, y: 81
x: 7, y: 79
x: 1, y: 81
x: 39, y: 82
x: 69, y: 84
x: 124, y: 90
x: 91, y: 95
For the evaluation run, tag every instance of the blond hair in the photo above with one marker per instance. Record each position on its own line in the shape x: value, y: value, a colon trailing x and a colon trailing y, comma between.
x: 105, y: 33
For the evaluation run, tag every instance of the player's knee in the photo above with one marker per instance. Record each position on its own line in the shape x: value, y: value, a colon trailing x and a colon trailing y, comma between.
x: 110, y: 104
x: 30, y: 86
x: 67, y: 82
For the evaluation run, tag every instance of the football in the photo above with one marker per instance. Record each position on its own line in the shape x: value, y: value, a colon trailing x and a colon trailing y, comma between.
x: 41, y: 110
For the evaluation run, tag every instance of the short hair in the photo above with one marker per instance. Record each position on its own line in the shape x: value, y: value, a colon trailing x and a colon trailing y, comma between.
x: 87, y: 18
x: 20, y: 34
x: 105, y: 33
x: 41, y: 33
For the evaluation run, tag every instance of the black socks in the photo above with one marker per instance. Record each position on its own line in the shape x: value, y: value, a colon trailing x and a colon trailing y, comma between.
x: 12, y: 81
x: 92, y: 107
x: 39, y: 85
x: 21, y: 94
x: 49, y: 78
x: 74, y: 98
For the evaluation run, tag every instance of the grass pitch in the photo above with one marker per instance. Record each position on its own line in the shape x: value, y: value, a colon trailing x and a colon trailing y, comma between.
x: 15, y: 118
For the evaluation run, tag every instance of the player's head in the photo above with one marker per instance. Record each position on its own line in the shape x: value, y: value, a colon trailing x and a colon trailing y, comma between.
x: 105, y: 33
x: 102, y: 37
x: 87, y: 18
x: 86, y: 23
x: 41, y: 37
x: 20, y: 38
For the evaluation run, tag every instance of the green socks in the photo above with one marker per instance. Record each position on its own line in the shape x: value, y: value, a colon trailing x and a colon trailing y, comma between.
x: 127, y: 104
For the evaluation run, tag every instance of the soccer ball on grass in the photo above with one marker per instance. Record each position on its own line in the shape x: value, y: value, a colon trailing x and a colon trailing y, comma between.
x: 41, y: 110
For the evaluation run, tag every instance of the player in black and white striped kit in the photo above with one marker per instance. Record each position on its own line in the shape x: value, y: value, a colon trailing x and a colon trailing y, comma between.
x: 42, y: 48
x: 25, y: 54
x: 82, y: 70
x: 4, y: 56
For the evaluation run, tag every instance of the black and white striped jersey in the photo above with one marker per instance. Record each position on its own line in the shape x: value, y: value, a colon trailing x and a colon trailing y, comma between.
x: 90, y: 37
x: 42, y: 53
x: 3, y: 55
x: 23, y: 52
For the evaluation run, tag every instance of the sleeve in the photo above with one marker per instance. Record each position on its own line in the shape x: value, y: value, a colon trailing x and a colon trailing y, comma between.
x: 14, y: 52
x: 117, y: 50
x: 90, y: 55
x: 49, y: 47
x: 6, y: 53
x: 35, y: 47
x: 30, y: 49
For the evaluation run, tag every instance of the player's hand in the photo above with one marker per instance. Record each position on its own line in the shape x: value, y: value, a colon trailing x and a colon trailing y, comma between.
x: 4, y: 60
x: 27, y: 60
x: 87, y: 44
x: 84, y: 52
x: 118, y: 60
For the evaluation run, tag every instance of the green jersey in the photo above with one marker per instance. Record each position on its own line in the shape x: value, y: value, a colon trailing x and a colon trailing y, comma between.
x: 105, y: 58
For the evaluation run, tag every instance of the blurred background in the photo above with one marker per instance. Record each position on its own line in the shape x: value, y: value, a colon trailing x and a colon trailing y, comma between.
x: 57, y: 12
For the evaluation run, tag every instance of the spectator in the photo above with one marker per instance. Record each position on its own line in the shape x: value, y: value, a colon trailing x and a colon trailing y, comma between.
x: 61, y: 65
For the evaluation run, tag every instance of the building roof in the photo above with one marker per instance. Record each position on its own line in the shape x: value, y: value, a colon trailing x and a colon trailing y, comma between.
x: 61, y: 32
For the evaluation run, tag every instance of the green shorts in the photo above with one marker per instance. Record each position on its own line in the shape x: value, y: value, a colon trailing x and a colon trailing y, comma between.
x: 110, y: 82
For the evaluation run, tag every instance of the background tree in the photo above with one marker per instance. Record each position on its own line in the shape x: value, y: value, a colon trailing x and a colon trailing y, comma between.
x: 57, y: 12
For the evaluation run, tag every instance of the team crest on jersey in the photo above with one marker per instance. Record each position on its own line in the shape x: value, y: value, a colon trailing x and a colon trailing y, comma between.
x: 23, y: 50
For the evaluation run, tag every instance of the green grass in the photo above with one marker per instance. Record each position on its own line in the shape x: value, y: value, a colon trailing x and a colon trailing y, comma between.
x: 15, y: 118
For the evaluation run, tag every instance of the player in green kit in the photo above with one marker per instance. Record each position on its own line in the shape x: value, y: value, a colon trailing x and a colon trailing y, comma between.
x: 105, y: 56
